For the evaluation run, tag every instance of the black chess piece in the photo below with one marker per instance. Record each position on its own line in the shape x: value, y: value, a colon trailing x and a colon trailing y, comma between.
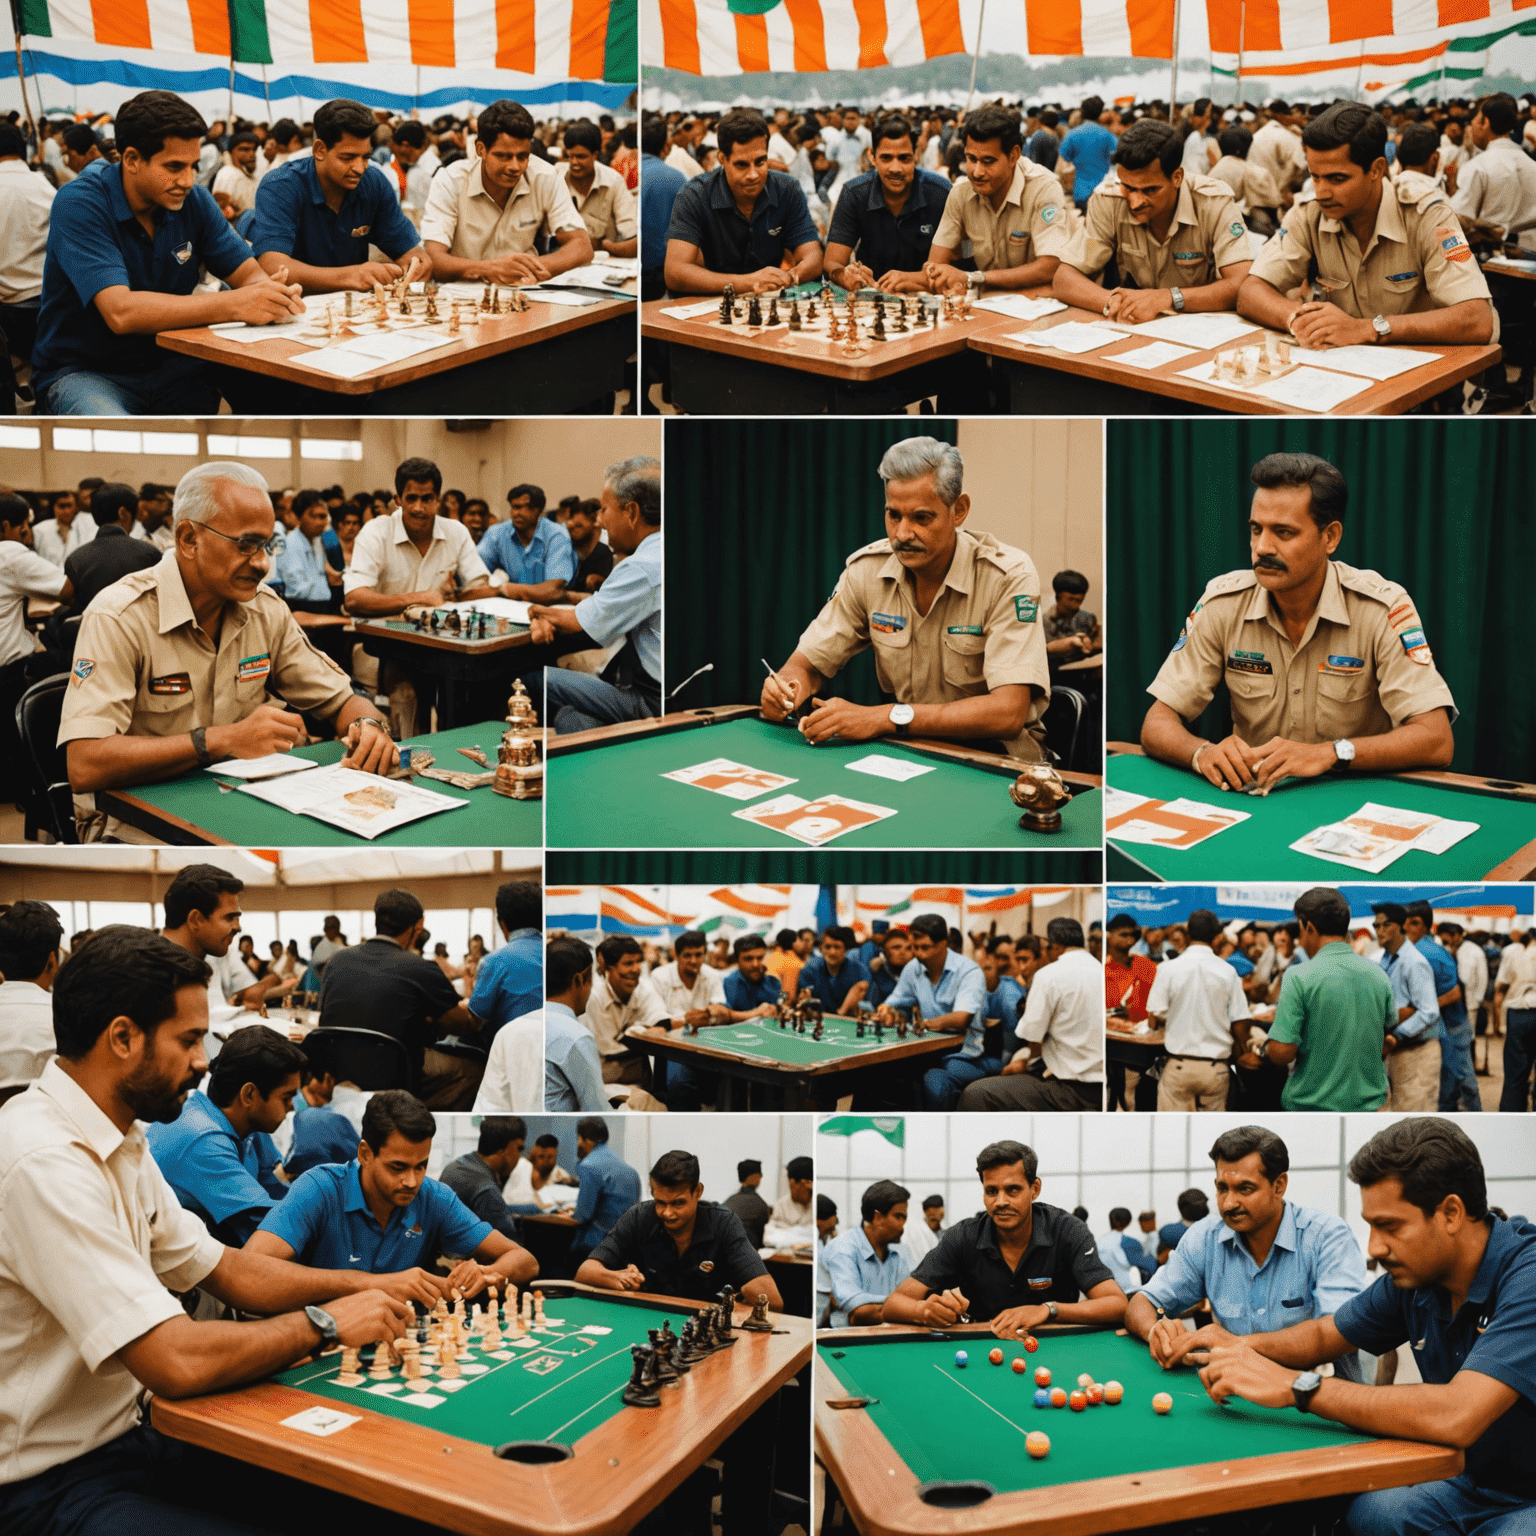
x: 859, y: 1029
x: 759, y: 1321
x: 754, y: 311
x: 727, y: 1317
x: 879, y: 331
x: 690, y: 1347
x: 773, y: 311
x: 879, y: 1030
x: 794, y: 314
x: 672, y: 1346
x: 639, y: 1393
x: 665, y: 1370
x: 727, y: 304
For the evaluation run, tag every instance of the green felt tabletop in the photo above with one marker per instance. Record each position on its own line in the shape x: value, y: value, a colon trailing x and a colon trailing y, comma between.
x: 490, y: 820
x: 1260, y: 848
x: 616, y: 795
x: 949, y: 1423
x: 839, y: 1041
x: 559, y: 1388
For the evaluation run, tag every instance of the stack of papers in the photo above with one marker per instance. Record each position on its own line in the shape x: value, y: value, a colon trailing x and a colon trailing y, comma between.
x: 1199, y: 331
x: 1070, y: 336
x: 1153, y: 355
x: 1369, y: 362
x: 361, y: 803
x: 272, y: 766
x: 1308, y: 389
x: 692, y: 311
x: 1020, y: 306
x: 363, y: 354
x: 1376, y: 836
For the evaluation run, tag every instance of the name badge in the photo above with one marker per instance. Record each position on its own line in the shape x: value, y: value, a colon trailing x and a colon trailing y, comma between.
x: 183, y: 253
x: 1042, y: 1284
x: 252, y: 667
x: 925, y: 229
x: 1018, y: 234
x: 1249, y: 661
x: 172, y: 682
x: 965, y: 629
x: 1347, y: 663
x: 1025, y: 609
x: 1401, y: 277
x: 777, y: 231
x: 887, y: 623
x: 1189, y: 255
x: 706, y: 1266
x: 361, y: 231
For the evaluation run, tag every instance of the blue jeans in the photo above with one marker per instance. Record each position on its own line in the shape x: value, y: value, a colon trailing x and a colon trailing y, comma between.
x: 1519, y: 1058
x: 180, y: 386
x: 943, y: 1084
x: 578, y: 701
x: 683, y: 1088
x: 1458, y: 1074
x: 1456, y: 1507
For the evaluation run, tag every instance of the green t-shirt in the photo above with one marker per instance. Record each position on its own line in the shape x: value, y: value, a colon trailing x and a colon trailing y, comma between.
x: 1337, y: 1009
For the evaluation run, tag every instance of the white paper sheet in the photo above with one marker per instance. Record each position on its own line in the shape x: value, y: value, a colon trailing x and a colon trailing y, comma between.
x: 1444, y: 835
x: 268, y: 767
x: 691, y: 311
x: 1369, y: 362
x: 361, y: 803
x: 1071, y: 336
x: 593, y: 275
x: 897, y: 769
x: 1154, y: 355
x: 496, y: 607
x: 569, y: 298
x: 1311, y: 389
x: 1340, y: 843
x: 1172, y: 824
x: 363, y: 354
x: 1198, y: 331
x: 1020, y: 306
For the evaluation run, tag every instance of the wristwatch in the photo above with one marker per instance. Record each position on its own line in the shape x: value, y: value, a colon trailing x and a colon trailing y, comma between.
x: 1177, y: 295
x: 1344, y: 755
x: 1382, y: 326
x: 325, y: 1326
x: 1304, y: 1389
x: 1052, y: 1309
x: 200, y: 746
x: 901, y: 718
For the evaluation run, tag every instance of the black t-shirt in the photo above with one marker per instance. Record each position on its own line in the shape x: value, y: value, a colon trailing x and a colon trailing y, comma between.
x: 719, y: 1255
x: 378, y: 985
x: 598, y: 563
x: 110, y: 556
x: 752, y: 1211
x: 1061, y: 1263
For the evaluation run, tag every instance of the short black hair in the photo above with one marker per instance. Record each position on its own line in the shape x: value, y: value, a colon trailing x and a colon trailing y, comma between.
x: 800, y: 1168
x: 934, y: 1203
x: 419, y: 470
x: 1393, y: 911
x: 931, y: 926
x: 1193, y: 1205
x: 412, y: 134
x: 1070, y: 581
x: 1119, y: 1218
x: 1092, y: 108
x: 197, y: 888
x: 739, y: 127
x: 1147, y: 140
x: 1234, y: 1145
x: 747, y: 1167
x: 592, y: 1128
x: 13, y: 143
x: 80, y: 138
x: 1431, y: 1158
x: 583, y: 134
x: 892, y: 126
x: 285, y: 131
x: 880, y: 1197
x: 676, y: 1170
x: 546, y: 1140
x: 1202, y: 925
x: 1065, y: 932
x: 498, y: 1132
x: 397, y: 1111
x: 144, y: 122
x: 520, y: 904
x: 826, y: 1208
x: 30, y: 934
x: 534, y: 493
x: 511, y: 118
x: 1325, y: 908
x: 120, y: 972
x: 394, y: 911
x: 747, y: 943
x: 842, y: 935
x: 256, y: 1054
x: 1500, y: 112
x: 1361, y: 128
x: 239, y: 138
x: 14, y: 510
x: 653, y: 135
x: 994, y: 122
x: 689, y: 939
x: 1417, y: 143
x: 565, y: 958
x: 343, y: 119
x: 1423, y: 911
x: 1003, y: 1154
x: 616, y: 946
x: 1236, y: 141
x: 1330, y: 490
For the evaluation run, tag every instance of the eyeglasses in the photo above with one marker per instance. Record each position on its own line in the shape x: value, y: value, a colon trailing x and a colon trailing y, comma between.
x: 248, y: 543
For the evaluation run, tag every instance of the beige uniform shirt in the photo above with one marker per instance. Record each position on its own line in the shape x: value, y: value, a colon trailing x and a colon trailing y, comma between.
x: 143, y: 667
x: 983, y: 631
x: 1417, y: 257
x: 608, y: 209
x: 1206, y: 234
x: 1031, y: 223
x: 1251, y: 184
x: 384, y: 559
x: 1279, y: 152
x: 1363, y: 666
x: 463, y: 217
x: 92, y: 1243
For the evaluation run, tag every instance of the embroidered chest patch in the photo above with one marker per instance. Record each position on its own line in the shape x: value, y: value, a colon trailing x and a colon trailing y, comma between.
x: 253, y: 667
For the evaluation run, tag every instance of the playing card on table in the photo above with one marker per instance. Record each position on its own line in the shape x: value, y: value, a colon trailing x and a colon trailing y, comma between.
x: 814, y: 821
x: 737, y: 781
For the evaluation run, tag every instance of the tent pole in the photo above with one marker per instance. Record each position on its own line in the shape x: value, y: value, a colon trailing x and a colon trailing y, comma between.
x: 981, y: 22
x: 1173, y: 79
x: 266, y: 92
x: 26, y: 101
x: 231, y: 91
x: 1242, y: 37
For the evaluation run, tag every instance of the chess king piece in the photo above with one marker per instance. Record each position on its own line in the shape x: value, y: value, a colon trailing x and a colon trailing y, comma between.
x: 519, y: 760
x: 758, y: 1322
x: 728, y: 304
x: 1040, y: 793
x: 641, y: 1391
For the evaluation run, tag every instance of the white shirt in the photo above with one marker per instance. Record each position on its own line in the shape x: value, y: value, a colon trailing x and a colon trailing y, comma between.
x: 1472, y: 967
x: 418, y: 182
x: 1065, y: 1012
x: 163, y: 538
x: 680, y: 160
x: 55, y: 546
x: 1499, y: 187
x: 26, y: 202
x: 678, y: 999
x: 23, y: 573
x: 1126, y: 1276
x: 519, y: 1190
x: 237, y: 185
x: 779, y: 149
x: 1517, y: 971
x: 1197, y: 158
x: 384, y: 558
x: 1201, y: 998
x: 92, y: 1243
x: 917, y: 1240
x: 26, y: 1032
x: 609, y: 1020
x: 514, y: 1073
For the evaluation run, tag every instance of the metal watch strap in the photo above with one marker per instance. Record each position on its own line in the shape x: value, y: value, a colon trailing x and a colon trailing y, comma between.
x: 200, y: 746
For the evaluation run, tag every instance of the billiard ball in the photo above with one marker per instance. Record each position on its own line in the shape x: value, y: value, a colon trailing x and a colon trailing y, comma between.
x: 1042, y: 1376
x: 996, y: 1357
x: 1113, y: 1392
x: 1085, y: 1381
x: 1031, y: 1343
x: 1018, y: 1367
x: 1162, y: 1403
x: 1042, y: 1398
x: 1037, y: 1444
x: 1095, y: 1395
x: 1058, y: 1397
x: 1078, y: 1401
x: 961, y: 1358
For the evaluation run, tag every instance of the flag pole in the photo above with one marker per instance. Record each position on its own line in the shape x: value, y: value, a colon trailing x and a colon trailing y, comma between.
x: 231, y: 92
x: 21, y: 80
x: 1242, y: 37
x: 1173, y: 82
x: 981, y: 22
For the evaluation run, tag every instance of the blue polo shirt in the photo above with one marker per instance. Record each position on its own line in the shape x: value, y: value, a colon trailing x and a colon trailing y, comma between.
x: 659, y: 186
x: 1494, y: 1334
x: 320, y: 1135
x: 887, y: 242
x: 881, y: 984
x: 216, y: 1174
x: 510, y: 982
x: 705, y: 214
x: 827, y: 989
x: 961, y: 988
x: 856, y: 1276
x: 743, y: 995
x: 327, y: 1223
x: 95, y: 242
x: 1006, y: 1004
x: 548, y: 553
x: 1089, y: 147
x: 294, y: 219
x: 628, y: 604
x: 609, y: 1186
x: 1443, y: 963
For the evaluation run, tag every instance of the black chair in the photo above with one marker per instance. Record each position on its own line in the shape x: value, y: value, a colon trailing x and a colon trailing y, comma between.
x: 49, y: 805
x: 370, y: 1059
x: 69, y: 636
x: 1063, y: 723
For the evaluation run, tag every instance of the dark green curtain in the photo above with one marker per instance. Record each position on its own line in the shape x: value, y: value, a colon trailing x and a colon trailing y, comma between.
x: 761, y: 517
x: 855, y: 867
x: 1447, y: 508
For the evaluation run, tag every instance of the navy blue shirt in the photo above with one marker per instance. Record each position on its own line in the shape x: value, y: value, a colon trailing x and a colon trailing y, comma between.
x: 744, y: 995
x: 888, y: 243
x: 1493, y: 1334
x: 830, y: 990
x: 94, y: 243
x: 1443, y: 963
x: 705, y: 214
x: 294, y: 219
x: 659, y: 186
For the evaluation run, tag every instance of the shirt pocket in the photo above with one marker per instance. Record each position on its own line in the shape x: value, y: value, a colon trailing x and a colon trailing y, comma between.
x: 893, y: 660
x: 1343, y: 703
x: 1254, y: 690
x: 965, y: 662
x: 160, y: 712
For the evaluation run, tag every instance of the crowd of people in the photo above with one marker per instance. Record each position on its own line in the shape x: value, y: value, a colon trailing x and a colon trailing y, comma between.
x: 1324, y: 1012
x: 255, y: 215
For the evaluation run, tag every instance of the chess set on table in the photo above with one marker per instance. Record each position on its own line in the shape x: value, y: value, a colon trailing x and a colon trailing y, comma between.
x: 810, y: 1016
x: 396, y: 308
x: 856, y: 322
x: 670, y: 1356
x: 455, y: 624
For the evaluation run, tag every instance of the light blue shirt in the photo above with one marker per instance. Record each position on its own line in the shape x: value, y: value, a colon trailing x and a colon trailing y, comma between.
x: 573, y: 1070
x: 609, y: 1187
x: 301, y: 569
x: 547, y: 555
x: 856, y: 1277
x: 1312, y: 1269
x: 629, y: 604
x: 1123, y: 1264
x: 961, y: 989
x: 1413, y: 986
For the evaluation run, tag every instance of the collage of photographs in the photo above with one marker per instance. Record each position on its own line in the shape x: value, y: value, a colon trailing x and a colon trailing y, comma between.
x: 472, y: 1063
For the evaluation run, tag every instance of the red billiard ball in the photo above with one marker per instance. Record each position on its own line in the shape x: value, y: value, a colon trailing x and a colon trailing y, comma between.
x: 1031, y: 1343
x: 1019, y: 1367
x: 1095, y: 1395
x: 1078, y: 1401
x: 996, y: 1357
x: 1058, y: 1397
x: 1042, y: 1376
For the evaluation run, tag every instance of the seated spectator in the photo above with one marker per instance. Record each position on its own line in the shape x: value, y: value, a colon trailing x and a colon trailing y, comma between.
x: 30, y: 932
x: 477, y: 1177
x: 866, y: 1263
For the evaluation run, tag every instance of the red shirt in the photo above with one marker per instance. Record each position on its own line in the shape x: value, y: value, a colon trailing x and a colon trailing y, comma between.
x: 1137, y: 978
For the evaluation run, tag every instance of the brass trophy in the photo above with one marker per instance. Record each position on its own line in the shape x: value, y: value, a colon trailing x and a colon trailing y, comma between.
x: 1040, y: 793
x: 519, y: 760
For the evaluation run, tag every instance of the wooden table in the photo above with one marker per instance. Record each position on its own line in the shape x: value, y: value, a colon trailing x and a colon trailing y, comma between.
x: 601, y: 1485
x: 549, y: 359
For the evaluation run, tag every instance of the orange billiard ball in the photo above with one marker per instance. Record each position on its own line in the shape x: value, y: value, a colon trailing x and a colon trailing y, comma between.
x: 1031, y: 1343
x: 1058, y: 1397
x: 1078, y: 1401
x: 1113, y: 1392
x: 1095, y: 1395
x: 1162, y: 1403
x: 1019, y: 1367
x: 1037, y: 1443
x: 1042, y: 1375
x: 996, y: 1357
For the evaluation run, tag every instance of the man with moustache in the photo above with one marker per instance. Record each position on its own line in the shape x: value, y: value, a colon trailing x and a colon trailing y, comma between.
x: 1327, y: 666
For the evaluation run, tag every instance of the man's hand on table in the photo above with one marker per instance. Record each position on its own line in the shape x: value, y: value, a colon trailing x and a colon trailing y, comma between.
x: 1017, y: 1321
x: 369, y: 748
x: 1237, y: 1371
x: 846, y: 721
x: 369, y: 1316
x: 944, y: 1310
x: 1136, y: 306
x: 1326, y: 325
x: 1200, y: 1341
x: 630, y: 1278
x: 268, y: 728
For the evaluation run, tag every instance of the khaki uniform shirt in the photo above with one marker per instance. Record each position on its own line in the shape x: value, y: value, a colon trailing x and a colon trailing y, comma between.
x: 463, y: 217
x: 1417, y: 257
x: 1279, y: 152
x: 385, y: 560
x: 983, y: 631
x: 1206, y: 234
x: 1251, y: 184
x: 608, y: 209
x: 1363, y: 666
x: 1031, y: 223
x: 143, y: 667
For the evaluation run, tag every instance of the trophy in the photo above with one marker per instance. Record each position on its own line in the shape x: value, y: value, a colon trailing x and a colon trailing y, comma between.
x: 1040, y: 794
x: 519, y: 762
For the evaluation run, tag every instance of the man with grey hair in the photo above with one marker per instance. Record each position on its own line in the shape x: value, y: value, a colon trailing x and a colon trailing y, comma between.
x: 628, y: 604
x: 195, y: 661
x: 952, y: 616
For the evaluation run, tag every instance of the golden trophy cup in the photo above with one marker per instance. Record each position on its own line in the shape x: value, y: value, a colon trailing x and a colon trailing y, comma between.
x: 520, y: 758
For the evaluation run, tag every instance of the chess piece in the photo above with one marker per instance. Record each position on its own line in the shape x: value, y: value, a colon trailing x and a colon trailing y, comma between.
x: 918, y: 1027
x: 431, y: 306
x: 879, y: 331
x: 519, y: 764
x: 485, y: 300
x: 351, y: 1375
x: 453, y: 319
x: 665, y: 1370
x: 1040, y: 793
x: 380, y: 1368
x: 728, y: 304
x: 834, y: 328
x: 794, y: 314
x: 641, y: 1391
x: 727, y: 1316
x: 810, y: 310
x: 754, y: 311
x: 759, y: 1321
x: 816, y: 1033
x: 773, y: 311
x: 411, y: 1366
x: 859, y: 1029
